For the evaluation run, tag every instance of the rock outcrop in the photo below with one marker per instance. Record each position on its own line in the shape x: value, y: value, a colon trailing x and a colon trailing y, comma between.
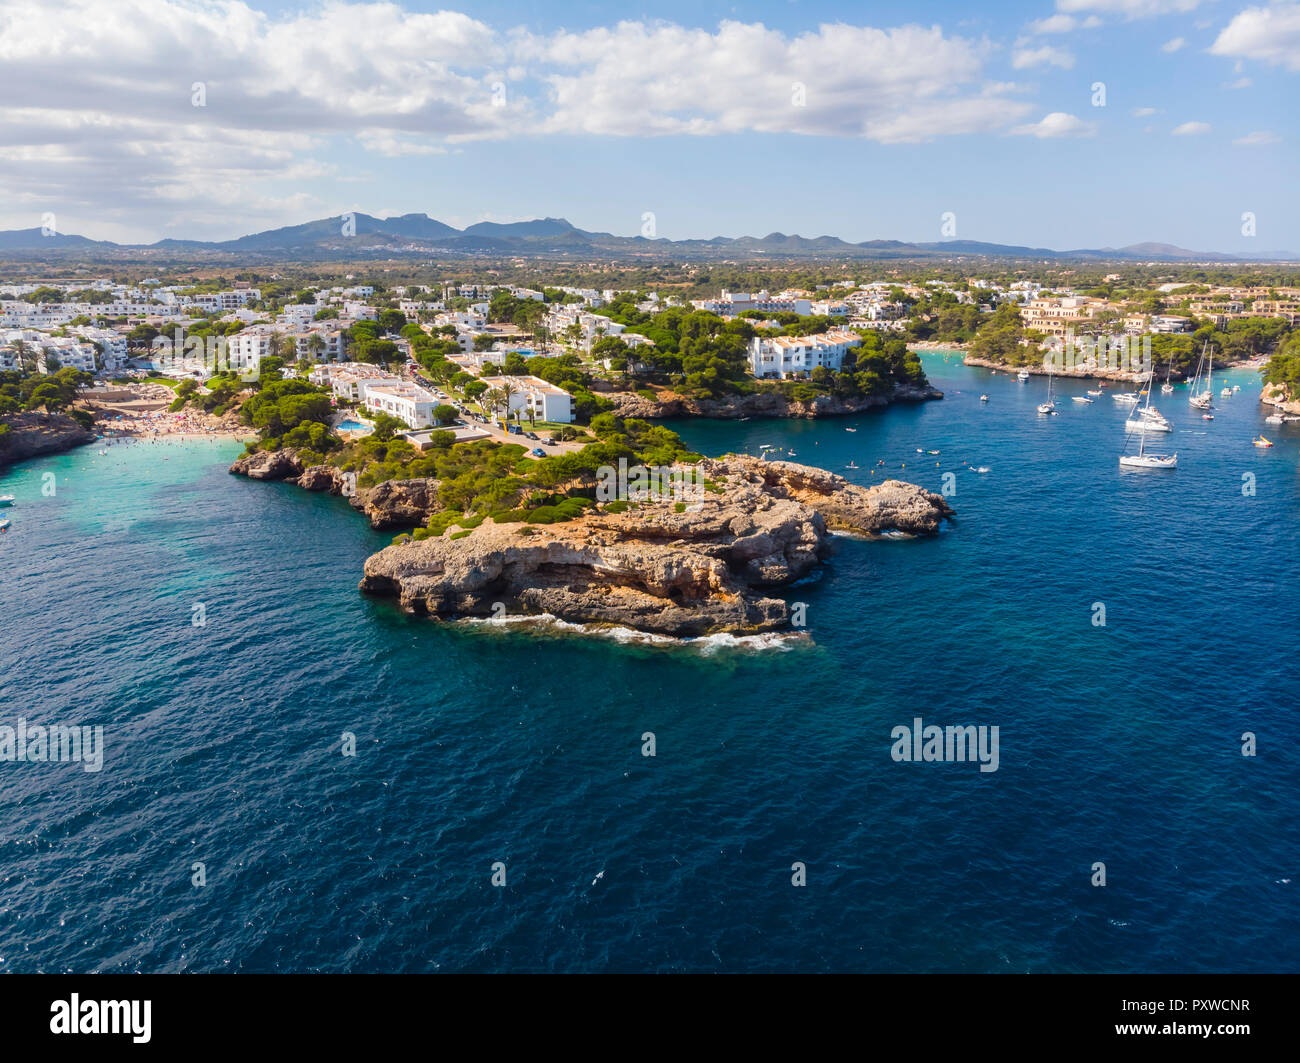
x: 32, y: 435
x: 763, y: 404
x: 389, y: 505
x: 1278, y: 396
x: 268, y: 465
x: 701, y: 571
x: 398, y: 503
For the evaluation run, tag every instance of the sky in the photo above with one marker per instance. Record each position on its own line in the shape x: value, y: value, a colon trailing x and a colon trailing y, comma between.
x: 1049, y: 123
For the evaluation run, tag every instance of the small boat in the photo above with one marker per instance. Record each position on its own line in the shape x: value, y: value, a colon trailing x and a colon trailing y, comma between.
x: 984, y: 398
x: 1049, y: 407
x: 1082, y: 398
x: 1095, y: 394
x: 850, y: 429
x: 1149, y: 461
x: 1226, y: 393
x: 983, y: 468
x: 1207, y: 417
x: 1260, y: 441
x: 1203, y: 387
x: 6, y: 500
x: 920, y: 450
x: 932, y: 452
x: 1236, y: 388
x: 1023, y: 375
x: 1125, y: 398
x: 1145, y: 422
x: 852, y: 465
x: 4, y: 523
x: 1272, y: 418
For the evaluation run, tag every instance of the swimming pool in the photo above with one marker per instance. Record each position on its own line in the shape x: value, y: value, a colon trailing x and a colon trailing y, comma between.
x: 350, y: 425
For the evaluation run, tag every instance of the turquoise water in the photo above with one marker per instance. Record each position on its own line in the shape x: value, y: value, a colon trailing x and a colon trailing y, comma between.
x: 477, y: 744
x: 352, y: 426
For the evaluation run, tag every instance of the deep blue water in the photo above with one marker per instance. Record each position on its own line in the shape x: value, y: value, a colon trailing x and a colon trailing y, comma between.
x: 475, y: 744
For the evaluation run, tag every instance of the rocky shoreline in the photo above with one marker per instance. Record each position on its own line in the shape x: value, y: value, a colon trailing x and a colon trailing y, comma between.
x: 391, y: 505
x: 764, y: 404
x: 702, y: 571
x: 33, y: 435
x: 1275, y: 395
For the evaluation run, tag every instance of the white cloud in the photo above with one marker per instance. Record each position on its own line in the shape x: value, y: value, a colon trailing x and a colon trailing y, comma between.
x: 1143, y: 112
x: 1026, y: 58
x: 1268, y: 34
x: 1240, y: 83
x: 1130, y: 8
x: 1063, y: 24
x: 1056, y: 125
x: 117, y: 133
x: 1260, y: 136
x: 1191, y: 129
x: 904, y: 84
x: 1174, y: 45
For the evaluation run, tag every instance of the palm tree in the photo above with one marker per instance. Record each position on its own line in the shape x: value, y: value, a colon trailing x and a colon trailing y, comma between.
x: 315, y: 345
x: 491, y: 401
x: 507, y: 391
x: 27, y: 362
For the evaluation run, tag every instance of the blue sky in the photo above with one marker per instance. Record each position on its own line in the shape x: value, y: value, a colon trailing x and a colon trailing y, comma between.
x: 157, y: 118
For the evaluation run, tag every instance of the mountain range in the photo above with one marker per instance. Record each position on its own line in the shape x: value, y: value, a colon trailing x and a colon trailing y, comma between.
x: 365, y: 236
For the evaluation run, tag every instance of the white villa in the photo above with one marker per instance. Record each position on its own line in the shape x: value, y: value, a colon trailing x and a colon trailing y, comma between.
x: 783, y: 356
x: 409, y: 402
x: 531, y: 393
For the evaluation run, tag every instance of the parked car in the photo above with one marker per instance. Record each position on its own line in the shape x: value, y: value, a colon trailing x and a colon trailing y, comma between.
x: 538, y: 452
x: 549, y: 442
x: 532, y: 435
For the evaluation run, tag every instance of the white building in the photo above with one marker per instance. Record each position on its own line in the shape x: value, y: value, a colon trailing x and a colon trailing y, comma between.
x: 731, y: 303
x: 783, y: 356
x: 531, y: 393
x: 409, y: 402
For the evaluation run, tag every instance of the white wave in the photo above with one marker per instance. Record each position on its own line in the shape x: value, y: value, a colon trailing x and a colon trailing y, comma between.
x: 705, y: 644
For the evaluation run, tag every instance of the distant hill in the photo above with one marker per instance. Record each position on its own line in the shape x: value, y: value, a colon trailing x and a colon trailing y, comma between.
x: 363, y: 236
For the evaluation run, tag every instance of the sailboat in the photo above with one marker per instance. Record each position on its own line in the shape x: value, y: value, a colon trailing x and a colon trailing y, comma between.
x: 1167, y: 388
x: 1148, y: 419
x: 1202, y: 390
x: 1048, y: 407
x: 1143, y: 460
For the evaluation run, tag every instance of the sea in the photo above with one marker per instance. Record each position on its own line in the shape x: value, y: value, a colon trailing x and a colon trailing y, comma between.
x: 296, y: 777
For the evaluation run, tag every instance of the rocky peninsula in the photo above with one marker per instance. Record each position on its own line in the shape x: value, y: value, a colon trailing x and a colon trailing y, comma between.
x: 665, y: 567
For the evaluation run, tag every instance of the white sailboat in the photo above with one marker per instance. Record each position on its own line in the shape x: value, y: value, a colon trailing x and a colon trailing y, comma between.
x: 1167, y: 388
x: 1049, y: 407
x: 1143, y: 460
x: 1202, y: 390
